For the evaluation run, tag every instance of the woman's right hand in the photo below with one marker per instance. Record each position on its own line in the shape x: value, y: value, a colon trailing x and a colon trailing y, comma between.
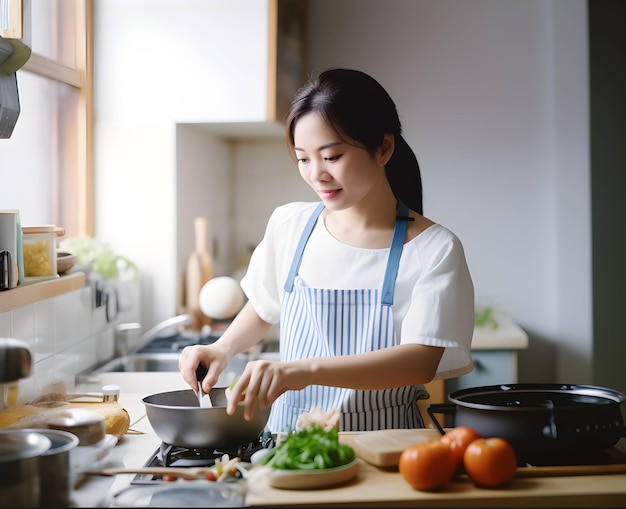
x: 245, y: 331
x: 211, y: 357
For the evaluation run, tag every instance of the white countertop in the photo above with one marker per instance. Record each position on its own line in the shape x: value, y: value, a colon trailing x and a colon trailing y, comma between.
x: 137, y: 446
x: 506, y: 336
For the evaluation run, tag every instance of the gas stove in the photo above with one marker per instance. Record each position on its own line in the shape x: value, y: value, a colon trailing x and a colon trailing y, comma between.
x: 168, y: 455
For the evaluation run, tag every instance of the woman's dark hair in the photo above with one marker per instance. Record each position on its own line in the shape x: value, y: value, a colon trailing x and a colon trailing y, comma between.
x: 356, y: 106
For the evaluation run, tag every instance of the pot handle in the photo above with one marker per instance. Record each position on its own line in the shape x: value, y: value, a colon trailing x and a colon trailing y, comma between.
x: 440, y: 408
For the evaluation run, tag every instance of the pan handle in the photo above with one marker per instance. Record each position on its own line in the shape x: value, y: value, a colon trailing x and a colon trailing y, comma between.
x: 440, y: 408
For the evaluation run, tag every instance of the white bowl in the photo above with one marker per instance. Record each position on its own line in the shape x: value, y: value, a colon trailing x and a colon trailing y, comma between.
x: 65, y: 261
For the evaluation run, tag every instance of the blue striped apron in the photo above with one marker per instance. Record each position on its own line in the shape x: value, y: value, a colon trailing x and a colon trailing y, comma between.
x: 326, y: 322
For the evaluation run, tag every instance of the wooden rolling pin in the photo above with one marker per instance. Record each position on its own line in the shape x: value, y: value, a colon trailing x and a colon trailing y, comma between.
x: 199, y: 271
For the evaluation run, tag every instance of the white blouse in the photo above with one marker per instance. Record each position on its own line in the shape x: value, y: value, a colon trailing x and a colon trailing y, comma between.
x: 433, y: 297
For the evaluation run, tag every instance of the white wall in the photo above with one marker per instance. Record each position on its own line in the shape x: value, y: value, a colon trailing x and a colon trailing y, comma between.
x: 493, y: 96
x: 158, y: 63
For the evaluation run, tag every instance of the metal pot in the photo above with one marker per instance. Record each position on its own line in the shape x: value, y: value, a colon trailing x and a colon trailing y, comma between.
x: 539, y: 418
x: 19, y: 467
x: 55, y: 467
x: 177, y: 419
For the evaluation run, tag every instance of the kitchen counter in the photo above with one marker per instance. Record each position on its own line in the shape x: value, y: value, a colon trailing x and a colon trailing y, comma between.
x: 132, y: 451
x: 506, y: 336
x: 373, y: 486
x: 377, y: 487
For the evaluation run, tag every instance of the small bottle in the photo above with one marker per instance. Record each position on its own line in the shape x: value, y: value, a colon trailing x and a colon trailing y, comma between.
x: 110, y: 393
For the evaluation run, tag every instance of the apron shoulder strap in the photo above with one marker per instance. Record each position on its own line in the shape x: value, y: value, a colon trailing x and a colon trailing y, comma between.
x: 395, y: 252
x: 297, y: 258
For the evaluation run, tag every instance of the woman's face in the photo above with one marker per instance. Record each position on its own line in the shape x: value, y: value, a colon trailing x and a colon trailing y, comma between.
x: 341, y: 174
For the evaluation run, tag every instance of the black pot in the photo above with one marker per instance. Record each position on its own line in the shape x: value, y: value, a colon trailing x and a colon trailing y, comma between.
x: 539, y: 418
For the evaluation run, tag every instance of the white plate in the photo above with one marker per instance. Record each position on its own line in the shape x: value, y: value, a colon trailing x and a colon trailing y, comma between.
x: 90, y: 457
x: 305, y: 479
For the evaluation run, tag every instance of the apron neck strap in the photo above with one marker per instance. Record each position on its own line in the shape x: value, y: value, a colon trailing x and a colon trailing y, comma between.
x: 297, y: 258
x: 395, y: 252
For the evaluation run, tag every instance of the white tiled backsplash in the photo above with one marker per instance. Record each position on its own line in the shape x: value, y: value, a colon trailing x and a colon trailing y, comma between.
x: 66, y: 335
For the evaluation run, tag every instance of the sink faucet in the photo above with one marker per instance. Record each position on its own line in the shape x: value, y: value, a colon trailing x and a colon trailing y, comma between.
x: 122, y: 347
x: 120, y: 337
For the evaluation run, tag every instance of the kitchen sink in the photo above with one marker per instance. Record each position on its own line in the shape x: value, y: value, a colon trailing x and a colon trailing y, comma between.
x: 161, y: 361
x: 150, y: 372
x: 155, y: 364
x: 141, y: 372
x: 141, y: 362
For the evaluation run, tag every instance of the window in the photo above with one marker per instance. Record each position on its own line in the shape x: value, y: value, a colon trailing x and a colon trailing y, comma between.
x: 47, y: 164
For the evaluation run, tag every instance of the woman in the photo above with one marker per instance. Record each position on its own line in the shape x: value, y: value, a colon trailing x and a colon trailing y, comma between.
x: 373, y: 298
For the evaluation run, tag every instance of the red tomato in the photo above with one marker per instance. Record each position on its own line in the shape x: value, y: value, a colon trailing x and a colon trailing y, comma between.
x: 458, y: 439
x: 427, y: 465
x: 170, y: 478
x: 210, y: 475
x: 490, y: 462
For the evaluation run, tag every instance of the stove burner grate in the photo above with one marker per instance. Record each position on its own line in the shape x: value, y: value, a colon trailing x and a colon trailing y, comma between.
x: 177, y: 456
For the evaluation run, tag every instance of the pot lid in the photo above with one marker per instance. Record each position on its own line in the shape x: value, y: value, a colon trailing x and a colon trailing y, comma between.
x: 47, y: 228
x: 516, y: 397
x: 17, y: 446
x: 87, y: 425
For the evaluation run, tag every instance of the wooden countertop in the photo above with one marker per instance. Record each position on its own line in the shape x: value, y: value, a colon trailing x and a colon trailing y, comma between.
x: 374, y: 486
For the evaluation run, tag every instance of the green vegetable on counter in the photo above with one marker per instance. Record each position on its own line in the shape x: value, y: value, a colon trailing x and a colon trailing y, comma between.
x: 310, y: 449
x: 485, y: 317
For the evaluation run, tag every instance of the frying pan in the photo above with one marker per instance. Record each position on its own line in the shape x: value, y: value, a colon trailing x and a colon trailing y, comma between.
x: 539, y: 418
x: 177, y: 419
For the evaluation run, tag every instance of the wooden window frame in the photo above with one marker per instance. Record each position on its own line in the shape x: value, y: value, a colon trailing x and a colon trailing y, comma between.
x: 14, y: 11
x: 77, y: 207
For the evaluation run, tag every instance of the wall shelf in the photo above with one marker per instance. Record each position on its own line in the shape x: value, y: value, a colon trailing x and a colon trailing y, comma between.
x: 28, y: 294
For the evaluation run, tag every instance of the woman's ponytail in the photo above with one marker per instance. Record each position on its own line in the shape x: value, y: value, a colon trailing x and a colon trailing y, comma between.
x: 403, y: 173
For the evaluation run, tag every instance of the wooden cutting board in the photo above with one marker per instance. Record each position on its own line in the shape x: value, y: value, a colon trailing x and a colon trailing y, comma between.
x: 383, y: 448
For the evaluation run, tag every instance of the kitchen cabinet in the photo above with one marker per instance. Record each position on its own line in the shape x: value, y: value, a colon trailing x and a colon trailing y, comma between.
x: 490, y: 367
x: 286, y: 57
